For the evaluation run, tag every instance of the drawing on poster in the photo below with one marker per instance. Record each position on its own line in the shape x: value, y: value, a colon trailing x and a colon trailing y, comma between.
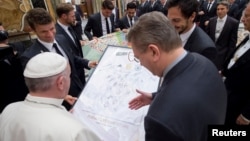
x: 110, y: 87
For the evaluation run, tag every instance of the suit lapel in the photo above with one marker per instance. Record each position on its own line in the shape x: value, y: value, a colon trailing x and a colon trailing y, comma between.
x: 243, y: 59
x: 225, y: 27
x: 213, y: 28
x: 41, y: 47
x: 100, y: 23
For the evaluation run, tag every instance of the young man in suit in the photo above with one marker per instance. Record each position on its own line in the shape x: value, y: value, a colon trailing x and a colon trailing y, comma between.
x: 192, y: 94
x: 223, y: 30
x: 182, y: 15
x: 101, y: 23
x: 64, y: 26
x: 43, y: 26
x: 236, y: 71
x: 129, y: 19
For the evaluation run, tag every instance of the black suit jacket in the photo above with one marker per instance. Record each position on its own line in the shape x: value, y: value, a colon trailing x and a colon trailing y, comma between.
x: 143, y: 8
x: 76, y: 63
x: 94, y: 25
x: 227, y: 40
x: 233, y: 10
x: 156, y: 7
x: 124, y: 23
x: 237, y: 83
x: 78, y: 27
x: 201, y: 43
x: 75, y: 45
x: 207, y: 13
x: 191, y: 97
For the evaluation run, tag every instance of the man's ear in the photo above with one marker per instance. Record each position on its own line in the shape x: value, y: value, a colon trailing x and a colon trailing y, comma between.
x: 154, y: 51
x: 60, y: 82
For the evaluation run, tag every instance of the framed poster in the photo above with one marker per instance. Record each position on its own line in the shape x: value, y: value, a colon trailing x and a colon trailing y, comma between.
x: 103, y: 103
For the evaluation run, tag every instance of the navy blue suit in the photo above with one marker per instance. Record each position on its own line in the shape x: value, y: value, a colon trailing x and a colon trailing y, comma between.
x: 201, y: 43
x: 76, y: 63
x: 94, y: 25
x: 191, y: 97
x: 124, y: 23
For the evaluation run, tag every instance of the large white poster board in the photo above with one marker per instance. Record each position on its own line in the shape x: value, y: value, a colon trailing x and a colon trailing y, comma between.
x: 103, y: 104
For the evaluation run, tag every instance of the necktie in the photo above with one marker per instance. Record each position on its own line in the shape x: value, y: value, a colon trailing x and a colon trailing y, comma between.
x: 57, y: 50
x: 72, y: 33
x: 208, y: 7
x: 131, y: 23
x: 107, y: 25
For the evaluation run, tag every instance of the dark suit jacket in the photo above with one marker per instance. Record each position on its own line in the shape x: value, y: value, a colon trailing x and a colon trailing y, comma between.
x: 76, y: 63
x: 242, y: 5
x: 124, y: 23
x: 75, y: 45
x: 79, y: 10
x: 201, y: 43
x: 207, y: 13
x: 143, y: 8
x: 237, y: 83
x: 12, y: 85
x: 156, y: 7
x: 117, y: 16
x: 164, y: 9
x: 191, y: 97
x: 233, y: 10
x: 94, y: 25
x: 227, y: 40
x: 78, y: 27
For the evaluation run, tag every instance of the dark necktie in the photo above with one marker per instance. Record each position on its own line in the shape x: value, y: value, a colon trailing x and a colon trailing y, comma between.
x: 57, y: 50
x: 107, y: 25
x: 71, y: 31
x: 208, y: 7
x: 131, y: 23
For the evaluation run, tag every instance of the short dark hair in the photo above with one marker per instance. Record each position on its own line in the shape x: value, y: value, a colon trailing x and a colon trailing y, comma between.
x: 225, y: 3
x: 38, y: 16
x: 187, y: 7
x: 63, y: 8
x: 107, y: 4
x: 131, y: 5
x: 154, y: 28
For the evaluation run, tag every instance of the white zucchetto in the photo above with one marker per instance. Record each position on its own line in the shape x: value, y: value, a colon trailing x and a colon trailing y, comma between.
x: 44, y: 65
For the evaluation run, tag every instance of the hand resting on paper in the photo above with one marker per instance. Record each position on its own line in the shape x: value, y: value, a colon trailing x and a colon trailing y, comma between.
x: 142, y: 100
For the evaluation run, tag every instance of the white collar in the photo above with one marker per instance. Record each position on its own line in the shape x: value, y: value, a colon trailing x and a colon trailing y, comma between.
x: 46, y: 44
x: 185, y: 36
x: 224, y: 18
x: 45, y: 101
x: 65, y: 27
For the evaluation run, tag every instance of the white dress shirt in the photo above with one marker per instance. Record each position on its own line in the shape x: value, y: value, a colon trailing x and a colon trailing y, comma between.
x: 219, y: 26
x: 239, y: 52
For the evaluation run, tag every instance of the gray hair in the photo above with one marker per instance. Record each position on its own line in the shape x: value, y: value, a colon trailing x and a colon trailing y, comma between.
x: 154, y: 28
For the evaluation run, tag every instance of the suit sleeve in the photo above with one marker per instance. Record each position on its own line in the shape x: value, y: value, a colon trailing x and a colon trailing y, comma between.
x: 88, y: 28
x: 81, y: 62
x: 156, y: 131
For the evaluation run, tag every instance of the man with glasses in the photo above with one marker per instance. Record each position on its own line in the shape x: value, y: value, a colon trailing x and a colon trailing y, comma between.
x: 192, y: 94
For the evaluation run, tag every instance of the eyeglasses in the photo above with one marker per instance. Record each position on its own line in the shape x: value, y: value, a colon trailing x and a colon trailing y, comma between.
x: 132, y: 58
